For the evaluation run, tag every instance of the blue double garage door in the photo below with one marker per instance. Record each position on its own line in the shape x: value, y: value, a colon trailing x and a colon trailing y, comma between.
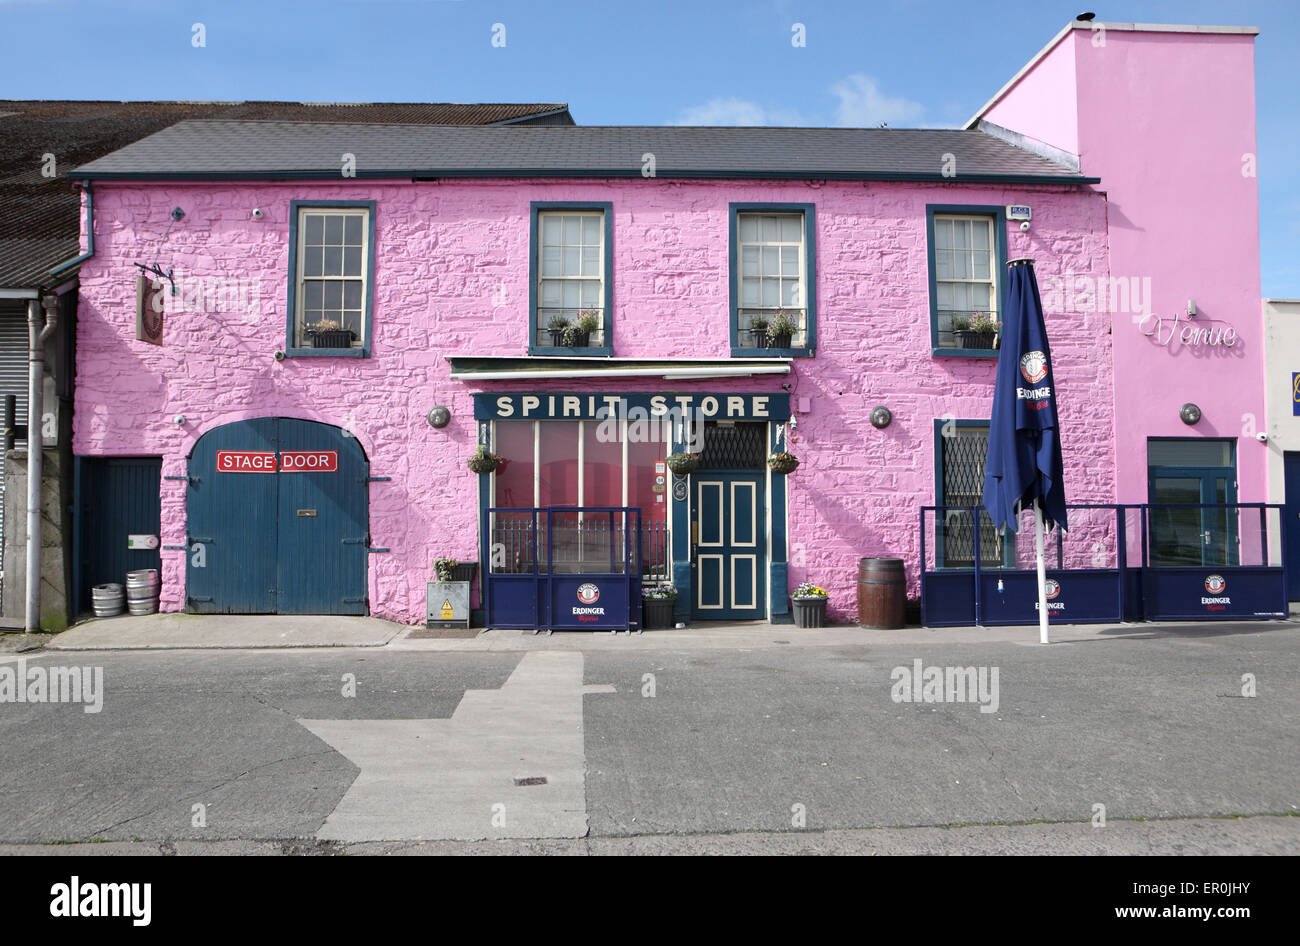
x: 278, y: 520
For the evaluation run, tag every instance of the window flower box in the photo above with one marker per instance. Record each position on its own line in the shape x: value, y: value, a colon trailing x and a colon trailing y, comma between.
x: 983, y: 341
x: 331, y: 338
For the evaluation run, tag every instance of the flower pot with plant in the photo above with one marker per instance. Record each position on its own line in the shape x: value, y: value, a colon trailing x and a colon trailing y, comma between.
x: 579, y: 334
x: 557, y: 325
x: 657, y: 601
x: 758, y: 329
x: 979, y: 331
x: 781, y: 330
x: 809, y: 602
x: 484, y: 462
x: 450, y: 569
x: 782, y: 462
x: 683, y: 463
x: 330, y: 333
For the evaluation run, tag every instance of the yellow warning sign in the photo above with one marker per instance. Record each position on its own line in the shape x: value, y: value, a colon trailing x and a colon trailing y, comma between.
x: 448, y: 613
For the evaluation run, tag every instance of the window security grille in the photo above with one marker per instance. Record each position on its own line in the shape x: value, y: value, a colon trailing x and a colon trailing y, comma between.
x: 964, y: 451
x: 737, y: 446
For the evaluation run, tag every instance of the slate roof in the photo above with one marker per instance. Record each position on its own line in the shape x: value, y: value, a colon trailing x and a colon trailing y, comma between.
x: 281, y: 149
x: 39, y: 216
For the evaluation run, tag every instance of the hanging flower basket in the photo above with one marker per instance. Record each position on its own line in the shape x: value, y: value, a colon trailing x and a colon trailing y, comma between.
x: 683, y: 463
x: 782, y: 463
x: 484, y: 462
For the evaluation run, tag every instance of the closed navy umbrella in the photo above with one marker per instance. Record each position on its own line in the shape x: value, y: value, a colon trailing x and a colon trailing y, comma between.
x: 1024, y: 465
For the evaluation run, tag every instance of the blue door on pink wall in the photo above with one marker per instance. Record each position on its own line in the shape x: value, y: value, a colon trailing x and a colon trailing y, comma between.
x: 729, y: 547
x: 278, y: 520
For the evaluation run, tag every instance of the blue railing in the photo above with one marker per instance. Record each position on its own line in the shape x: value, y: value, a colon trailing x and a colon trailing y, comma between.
x: 1094, y: 573
x: 563, y: 567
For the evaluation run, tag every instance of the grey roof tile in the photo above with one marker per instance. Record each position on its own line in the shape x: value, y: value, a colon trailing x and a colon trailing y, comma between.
x: 207, y: 149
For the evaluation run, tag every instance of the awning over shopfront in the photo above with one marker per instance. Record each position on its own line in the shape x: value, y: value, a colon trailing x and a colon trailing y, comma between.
x: 492, y: 368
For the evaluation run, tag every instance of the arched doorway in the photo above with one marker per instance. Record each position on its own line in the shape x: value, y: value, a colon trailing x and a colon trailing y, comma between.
x: 278, y: 520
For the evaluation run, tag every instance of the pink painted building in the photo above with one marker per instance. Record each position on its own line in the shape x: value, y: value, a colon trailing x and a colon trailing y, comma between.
x: 583, y: 302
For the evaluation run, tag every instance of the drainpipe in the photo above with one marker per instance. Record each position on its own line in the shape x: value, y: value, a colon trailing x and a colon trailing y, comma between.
x: 36, y: 337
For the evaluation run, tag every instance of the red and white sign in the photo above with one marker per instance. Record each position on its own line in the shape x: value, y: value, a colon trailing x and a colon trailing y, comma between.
x: 309, y: 461
x: 245, y: 461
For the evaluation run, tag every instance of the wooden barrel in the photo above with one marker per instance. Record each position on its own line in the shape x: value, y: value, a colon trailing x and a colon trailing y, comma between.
x: 882, y: 592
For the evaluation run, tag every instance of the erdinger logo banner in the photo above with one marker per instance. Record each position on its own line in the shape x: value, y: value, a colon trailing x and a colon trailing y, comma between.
x: 1033, y: 368
x: 1053, y: 593
x: 588, y: 595
x: 1215, y: 597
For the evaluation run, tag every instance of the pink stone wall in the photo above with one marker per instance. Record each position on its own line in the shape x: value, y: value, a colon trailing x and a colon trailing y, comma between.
x: 451, y: 278
x: 1166, y: 120
x: 1044, y: 100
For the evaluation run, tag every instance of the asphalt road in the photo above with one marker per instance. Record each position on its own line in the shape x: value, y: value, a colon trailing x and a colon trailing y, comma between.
x: 783, y: 746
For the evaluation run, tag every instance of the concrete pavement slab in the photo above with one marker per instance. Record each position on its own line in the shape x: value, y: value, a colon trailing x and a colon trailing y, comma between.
x: 180, y: 631
x: 508, y: 763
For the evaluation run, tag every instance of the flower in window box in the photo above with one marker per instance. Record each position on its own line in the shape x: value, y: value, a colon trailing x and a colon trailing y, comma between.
x: 781, y: 329
x: 578, y: 335
x: 758, y: 328
x: 557, y: 326
x: 979, y: 330
x: 782, y: 462
x: 329, y: 333
x: 484, y: 462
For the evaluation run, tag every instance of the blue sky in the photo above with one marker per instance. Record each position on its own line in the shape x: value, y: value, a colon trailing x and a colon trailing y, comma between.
x: 906, y: 62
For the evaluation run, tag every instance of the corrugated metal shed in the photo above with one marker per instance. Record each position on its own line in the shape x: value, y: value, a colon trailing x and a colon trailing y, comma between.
x: 39, y: 222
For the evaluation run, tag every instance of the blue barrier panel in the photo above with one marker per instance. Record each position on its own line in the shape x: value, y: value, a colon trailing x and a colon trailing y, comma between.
x: 1236, y: 569
x: 563, y: 568
x: 1214, y: 593
x: 1074, y: 596
x: 1213, y: 562
x: 983, y: 579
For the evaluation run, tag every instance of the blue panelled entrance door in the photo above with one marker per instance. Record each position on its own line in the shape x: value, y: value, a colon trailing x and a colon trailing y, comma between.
x: 278, y: 518
x: 729, y: 550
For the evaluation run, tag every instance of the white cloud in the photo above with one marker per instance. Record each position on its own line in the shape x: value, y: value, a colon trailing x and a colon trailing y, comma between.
x: 863, y: 105
x: 737, y: 111
x: 859, y: 104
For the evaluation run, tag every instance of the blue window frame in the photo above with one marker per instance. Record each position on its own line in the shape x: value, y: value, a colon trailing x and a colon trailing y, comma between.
x: 958, y: 274
x: 773, y: 266
x: 570, y: 271
x: 331, y: 276
x: 960, y: 451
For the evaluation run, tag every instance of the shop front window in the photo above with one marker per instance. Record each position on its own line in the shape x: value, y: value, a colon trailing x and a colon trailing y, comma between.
x: 582, y: 464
